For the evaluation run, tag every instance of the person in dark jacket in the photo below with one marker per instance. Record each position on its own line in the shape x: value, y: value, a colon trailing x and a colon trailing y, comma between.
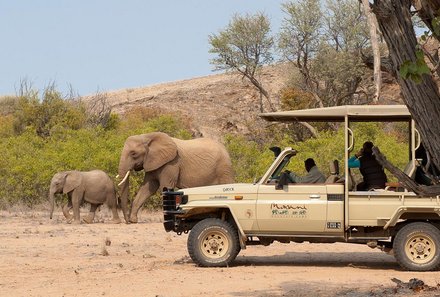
x: 372, y: 172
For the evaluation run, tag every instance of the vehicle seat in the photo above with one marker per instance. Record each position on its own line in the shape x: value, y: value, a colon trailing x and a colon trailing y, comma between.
x: 351, y: 182
x: 334, y: 172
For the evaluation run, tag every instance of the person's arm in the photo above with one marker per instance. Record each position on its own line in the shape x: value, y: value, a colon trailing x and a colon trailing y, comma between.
x: 309, y: 178
x: 295, y: 178
x: 353, y: 162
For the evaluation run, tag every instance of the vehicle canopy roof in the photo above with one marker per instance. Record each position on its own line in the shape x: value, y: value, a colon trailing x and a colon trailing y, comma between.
x: 339, y: 113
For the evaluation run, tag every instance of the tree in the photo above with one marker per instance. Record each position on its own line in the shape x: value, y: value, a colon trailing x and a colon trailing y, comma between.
x: 419, y: 90
x: 325, y: 46
x: 299, y: 40
x: 372, y: 24
x: 244, y: 46
x: 429, y: 11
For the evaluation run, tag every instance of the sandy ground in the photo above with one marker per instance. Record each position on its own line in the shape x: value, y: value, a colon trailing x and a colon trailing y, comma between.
x: 42, y: 257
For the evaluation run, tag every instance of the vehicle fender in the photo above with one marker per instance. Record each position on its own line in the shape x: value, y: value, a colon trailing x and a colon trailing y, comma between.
x: 241, y: 235
x: 410, y: 209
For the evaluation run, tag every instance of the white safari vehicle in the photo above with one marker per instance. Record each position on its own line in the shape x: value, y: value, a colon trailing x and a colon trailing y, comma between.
x: 223, y: 219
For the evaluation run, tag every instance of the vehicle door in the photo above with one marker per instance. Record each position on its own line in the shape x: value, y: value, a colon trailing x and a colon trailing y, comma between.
x: 298, y: 208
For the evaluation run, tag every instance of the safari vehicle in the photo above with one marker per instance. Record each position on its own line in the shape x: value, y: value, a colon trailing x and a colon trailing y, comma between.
x: 223, y: 219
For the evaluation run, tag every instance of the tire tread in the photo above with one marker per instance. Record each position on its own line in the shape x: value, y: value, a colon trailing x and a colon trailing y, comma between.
x: 192, y: 243
x: 399, y: 246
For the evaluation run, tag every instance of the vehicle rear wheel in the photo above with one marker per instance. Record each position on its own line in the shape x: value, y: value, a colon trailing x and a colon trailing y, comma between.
x: 417, y: 247
x: 213, y: 243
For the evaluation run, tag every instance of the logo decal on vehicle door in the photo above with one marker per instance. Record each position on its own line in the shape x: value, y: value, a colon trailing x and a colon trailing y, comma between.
x: 288, y: 211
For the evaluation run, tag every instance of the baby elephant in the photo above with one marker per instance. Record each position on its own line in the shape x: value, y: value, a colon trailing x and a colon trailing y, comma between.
x: 94, y: 187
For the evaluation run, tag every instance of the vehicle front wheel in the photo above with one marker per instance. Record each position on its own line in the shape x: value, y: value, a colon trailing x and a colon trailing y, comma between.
x: 417, y: 247
x: 213, y: 243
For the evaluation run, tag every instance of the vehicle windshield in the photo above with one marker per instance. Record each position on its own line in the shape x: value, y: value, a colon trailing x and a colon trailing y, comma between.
x: 284, y: 163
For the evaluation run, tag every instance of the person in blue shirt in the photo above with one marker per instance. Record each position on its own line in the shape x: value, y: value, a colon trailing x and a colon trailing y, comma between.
x: 372, y: 172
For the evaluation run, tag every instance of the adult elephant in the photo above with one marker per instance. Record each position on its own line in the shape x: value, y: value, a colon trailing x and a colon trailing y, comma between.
x: 173, y: 163
x: 94, y: 187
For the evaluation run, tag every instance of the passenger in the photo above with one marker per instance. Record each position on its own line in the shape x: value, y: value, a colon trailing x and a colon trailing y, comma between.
x: 313, y: 175
x: 422, y: 177
x: 372, y: 172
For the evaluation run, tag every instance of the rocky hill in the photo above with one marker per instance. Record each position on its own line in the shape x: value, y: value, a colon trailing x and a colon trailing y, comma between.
x: 216, y: 104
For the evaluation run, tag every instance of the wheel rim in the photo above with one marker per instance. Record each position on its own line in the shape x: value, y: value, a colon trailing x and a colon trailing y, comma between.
x: 420, y: 248
x: 214, y: 245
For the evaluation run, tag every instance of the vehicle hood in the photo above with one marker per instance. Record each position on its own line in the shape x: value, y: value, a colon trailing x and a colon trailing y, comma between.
x: 221, y: 191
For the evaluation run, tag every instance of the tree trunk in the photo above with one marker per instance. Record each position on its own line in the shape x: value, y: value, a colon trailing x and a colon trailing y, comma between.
x: 405, y: 180
x: 423, y: 99
x: 310, y: 128
x: 262, y: 91
x: 427, y: 10
x: 371, y: 21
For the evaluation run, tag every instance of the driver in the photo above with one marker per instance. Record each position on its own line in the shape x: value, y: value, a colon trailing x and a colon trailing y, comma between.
x: 313, y: 175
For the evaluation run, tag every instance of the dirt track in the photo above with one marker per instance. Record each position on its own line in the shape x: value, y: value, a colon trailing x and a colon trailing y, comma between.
x: 42, y: 257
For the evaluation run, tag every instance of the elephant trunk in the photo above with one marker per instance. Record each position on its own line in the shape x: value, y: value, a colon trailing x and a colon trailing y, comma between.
x: 125, y: 192
x: 52, y: 202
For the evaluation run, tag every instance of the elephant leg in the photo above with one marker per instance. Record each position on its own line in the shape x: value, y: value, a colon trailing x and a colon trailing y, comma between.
x: 112, y: 203
x: 66, y: 211
x: 76, y: 202
x: 89, y: 219
x: 116, y: 219
x: 147, y: 189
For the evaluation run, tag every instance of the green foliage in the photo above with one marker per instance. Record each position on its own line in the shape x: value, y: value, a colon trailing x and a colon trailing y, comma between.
x: 249, y: 159
x: 244, y: 45
x: 171, y: 125
x: 28, y: 160
x: 342, y: 71
x: 47, y: 114
x: 415, y: 70
x: 300, y: 34
x: 324, y: 44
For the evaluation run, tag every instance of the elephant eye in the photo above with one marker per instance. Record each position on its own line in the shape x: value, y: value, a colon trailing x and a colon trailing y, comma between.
x: 133, y: 154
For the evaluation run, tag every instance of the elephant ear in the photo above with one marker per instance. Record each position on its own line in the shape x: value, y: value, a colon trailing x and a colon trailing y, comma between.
x: 72, y: 181
x: 161, y: 150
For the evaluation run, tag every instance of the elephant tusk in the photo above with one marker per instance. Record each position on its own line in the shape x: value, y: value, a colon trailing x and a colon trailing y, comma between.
x: 117, y: 176
x: 125, y: 177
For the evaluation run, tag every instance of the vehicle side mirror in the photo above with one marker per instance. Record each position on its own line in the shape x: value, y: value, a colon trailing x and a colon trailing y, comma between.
x: 283, y: 181
x: 276, y: 151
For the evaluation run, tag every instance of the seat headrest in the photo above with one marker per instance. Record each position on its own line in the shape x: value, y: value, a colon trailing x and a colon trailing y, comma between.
x: 334, y: 167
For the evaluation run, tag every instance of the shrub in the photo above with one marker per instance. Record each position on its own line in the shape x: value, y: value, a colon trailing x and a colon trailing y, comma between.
x: 29, y: 161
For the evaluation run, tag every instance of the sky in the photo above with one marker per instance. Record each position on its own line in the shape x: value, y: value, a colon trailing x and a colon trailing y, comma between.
x: 103, y: 45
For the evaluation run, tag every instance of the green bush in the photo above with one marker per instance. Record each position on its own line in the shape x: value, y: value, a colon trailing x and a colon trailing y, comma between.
x: 51, y: 136
x: 249, y: 160
x: 29, y: 161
